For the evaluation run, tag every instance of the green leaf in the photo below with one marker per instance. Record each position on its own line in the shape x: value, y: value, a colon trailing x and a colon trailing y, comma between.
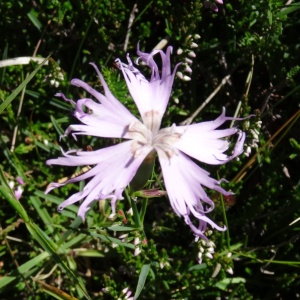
x: 198, y: 267
x: 121, y: 228
x: 226, y: 281
x: 142, y: 279
x: 57, y: 126
x: 111, y: 240
x: 35, y: 21
x: 289, y: 9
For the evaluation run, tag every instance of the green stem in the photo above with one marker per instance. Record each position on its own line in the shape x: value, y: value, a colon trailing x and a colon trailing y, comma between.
x: 225, y: 221
x: 136, y: 215
x: 143, y: 210
x: 225, y: 218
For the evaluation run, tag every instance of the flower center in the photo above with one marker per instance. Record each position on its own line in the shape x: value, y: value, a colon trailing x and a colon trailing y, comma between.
x: 145, y: 138
x: 165, y: 140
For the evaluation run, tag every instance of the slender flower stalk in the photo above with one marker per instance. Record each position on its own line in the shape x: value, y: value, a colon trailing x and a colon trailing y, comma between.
x: 117, y: 166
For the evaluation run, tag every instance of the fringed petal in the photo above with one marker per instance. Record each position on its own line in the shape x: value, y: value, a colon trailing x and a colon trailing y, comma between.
x: 183, y: 180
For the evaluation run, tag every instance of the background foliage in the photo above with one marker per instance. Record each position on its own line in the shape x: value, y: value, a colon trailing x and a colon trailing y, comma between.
x: 45, y: 254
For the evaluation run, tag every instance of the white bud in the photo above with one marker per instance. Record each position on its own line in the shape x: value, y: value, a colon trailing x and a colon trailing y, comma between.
x: 258, y: 124
x: 179, y: 75
x: 199, y: 255
x: 210, y: 250
x: 194, y: 45
x: 209, y: 255
x: 123, y: 236
x: 188, y: 69
x: 192, y: 54
x: 254, y: 134
x: 248, y: 151
x: 60, y: 76
x: 136, y: 241
x: 186, y: 78
x: 230, y: 271
x: 203, y: 242
x: 187, y: 60
x: 247, y: 124
x: 179, y: 51
x: 211, y: 244
x: 11, y: 184
x: 197, y: 36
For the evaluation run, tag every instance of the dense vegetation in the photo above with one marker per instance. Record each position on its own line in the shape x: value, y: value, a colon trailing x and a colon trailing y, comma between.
x: 247, y: 55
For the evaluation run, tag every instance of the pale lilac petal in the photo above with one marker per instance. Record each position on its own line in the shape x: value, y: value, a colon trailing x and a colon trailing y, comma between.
x: 202, y: 142
x: 115, y: 168
x: 103, y: 120
x: 100, y: 121
x: 150, y: 95
x: 183, y: 180
x: 211, y: 125
x: 108, y: 99
x: 80, y: 158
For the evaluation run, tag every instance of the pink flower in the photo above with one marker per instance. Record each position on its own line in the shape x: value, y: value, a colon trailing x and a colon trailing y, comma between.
x: 114, y: 167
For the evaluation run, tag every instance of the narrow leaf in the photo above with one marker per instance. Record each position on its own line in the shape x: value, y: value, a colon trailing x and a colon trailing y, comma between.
x: 35, y: 21
x: 142, y: 279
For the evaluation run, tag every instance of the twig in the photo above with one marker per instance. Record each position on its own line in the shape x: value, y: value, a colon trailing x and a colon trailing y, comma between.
x: 130, y: 22
x: 190, y: 119
x: 23, y: 60
x: 248, y: 84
